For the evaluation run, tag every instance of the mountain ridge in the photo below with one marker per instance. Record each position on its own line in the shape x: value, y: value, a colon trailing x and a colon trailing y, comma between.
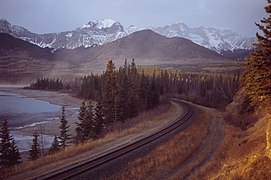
x: 20, y: 59
x: 103, y: 31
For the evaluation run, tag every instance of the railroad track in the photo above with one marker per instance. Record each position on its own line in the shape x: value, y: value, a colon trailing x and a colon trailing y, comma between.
x: 75, y: 170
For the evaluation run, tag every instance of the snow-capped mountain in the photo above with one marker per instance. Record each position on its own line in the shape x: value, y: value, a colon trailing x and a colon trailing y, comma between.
x: 90, y: 34
x: 100, y: 32
x: 211, y: 38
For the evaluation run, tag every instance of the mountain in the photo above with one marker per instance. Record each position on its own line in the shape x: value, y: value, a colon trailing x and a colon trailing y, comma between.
x: 147, y: 47
x: 22, y: 60
x: 10, y: 45
x: 211, y: 38
x: 100, y: 32
x: 88, y: 35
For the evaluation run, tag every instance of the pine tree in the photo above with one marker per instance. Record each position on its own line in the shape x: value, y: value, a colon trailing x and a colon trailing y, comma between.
x: 133, y: 90
x: 257, y: 77
x: 14, y: 153
x: 64, y: 129
x: 55, y: 146
x: 35, y: 151
x: 86, y: 125
x: 5, y: 144
x: 9, y: 153
x: 153, y: 96
x: 109, y: 92
x: 99, y: 118
x: 80, y: 125
x: 89, y: 124
x: 143, y: 91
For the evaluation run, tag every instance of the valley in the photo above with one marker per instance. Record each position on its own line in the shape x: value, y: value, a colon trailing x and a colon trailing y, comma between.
x: 184, y: 94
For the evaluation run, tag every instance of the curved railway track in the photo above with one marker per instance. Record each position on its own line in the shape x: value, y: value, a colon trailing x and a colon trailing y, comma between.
x: 75, y: 170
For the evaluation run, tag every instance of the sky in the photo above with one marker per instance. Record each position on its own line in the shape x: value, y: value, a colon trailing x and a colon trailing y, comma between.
x: 44, y: 16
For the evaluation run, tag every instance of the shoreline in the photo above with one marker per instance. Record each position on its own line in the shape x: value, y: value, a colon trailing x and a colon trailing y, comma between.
x: 50, y: 128
x: 52, y: 97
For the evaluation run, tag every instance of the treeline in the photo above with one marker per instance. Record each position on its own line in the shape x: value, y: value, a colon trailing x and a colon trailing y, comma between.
x: 209, y: 89
x: 48, y: 84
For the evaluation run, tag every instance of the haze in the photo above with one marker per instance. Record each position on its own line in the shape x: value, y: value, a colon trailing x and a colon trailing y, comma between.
x: 55, y: 16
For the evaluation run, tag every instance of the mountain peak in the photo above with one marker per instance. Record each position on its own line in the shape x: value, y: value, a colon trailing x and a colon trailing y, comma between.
x: 100, y: 24
x: 105, y: 23
x: 4, y: 20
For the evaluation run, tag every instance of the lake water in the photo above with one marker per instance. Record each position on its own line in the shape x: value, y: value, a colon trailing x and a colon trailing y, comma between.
x: 13, y: 103
x: 22, y: 111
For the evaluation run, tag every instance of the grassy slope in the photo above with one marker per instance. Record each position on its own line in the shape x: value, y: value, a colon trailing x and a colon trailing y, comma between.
x: 243, y: 154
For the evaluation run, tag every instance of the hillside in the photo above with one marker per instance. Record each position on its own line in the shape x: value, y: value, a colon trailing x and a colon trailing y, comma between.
x: 148, y: 48
x: 10, y: 45
x: 22, y: 60
x: 245, y: 152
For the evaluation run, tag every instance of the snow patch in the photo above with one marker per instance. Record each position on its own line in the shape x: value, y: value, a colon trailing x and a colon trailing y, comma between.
x: 69, y: 35
x: 105, y: 23
x: 85, y: 26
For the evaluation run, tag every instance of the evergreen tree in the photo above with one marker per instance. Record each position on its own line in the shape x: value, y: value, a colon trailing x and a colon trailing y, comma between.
x: 9, y: 153
x: 89, y: 124
x: 64, y: 129
x: 99, y: 118
x: 143, y: 91
x: 35, y: 151
x: 133, y: 90
x: 5, y: 144
x: 80, y: 125
x: 85, y: 127
x: 14, y: 153
x: 55, y: 145
x: 257, y: 77
x: 153, y: 96
x: 109, y: 93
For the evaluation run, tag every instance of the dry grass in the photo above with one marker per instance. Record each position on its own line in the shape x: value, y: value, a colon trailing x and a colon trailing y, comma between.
x: 76, y: 153
x: 165, y: 157
x: 241, y: 156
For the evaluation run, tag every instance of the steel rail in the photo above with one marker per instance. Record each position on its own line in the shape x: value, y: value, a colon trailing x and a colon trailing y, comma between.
x: 78, y: 169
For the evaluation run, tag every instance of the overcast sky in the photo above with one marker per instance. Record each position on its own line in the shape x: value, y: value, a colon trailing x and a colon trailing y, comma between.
x: 41, y: 16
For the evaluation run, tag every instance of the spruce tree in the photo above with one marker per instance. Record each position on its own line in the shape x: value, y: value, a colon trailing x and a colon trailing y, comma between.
x: 89, y: 124
x: 153, y: 96
x: 35, y: 151
x: 109, y: 92
x: 80, y: 125
x: 99, y: 118
x: 14, y: 153
x: 257, y: 77
x: 55, y: 146
x: 133, y: 90
x: 64, y: 129
x: 9, y: 153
